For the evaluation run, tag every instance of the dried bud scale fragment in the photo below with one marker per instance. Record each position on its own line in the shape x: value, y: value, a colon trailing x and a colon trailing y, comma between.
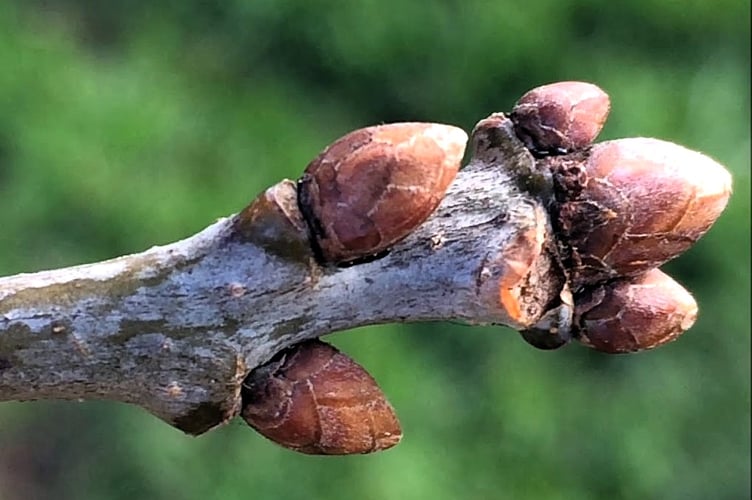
x: 374, y: 186
x: 634, y: 314
x: 554, y: 329
x: 560, y: 117
x: 313, y: 399
x: 630, y: 205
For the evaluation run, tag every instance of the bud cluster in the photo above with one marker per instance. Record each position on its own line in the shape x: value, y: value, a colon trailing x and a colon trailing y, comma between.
x: 620, y: 209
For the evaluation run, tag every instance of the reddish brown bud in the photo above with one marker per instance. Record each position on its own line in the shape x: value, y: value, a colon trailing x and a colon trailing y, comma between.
x: 313, y: 399
x: 374, y: 186
x: 633, y: 204
x: 560, y: 117
x: 635, y: 314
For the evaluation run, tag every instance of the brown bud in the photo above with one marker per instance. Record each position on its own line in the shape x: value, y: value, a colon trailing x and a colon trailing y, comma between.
x: 632, y: 204
x: 313, y: 399
x: 560, y: 117
x: 635, y: 314
x: 374, y: 186
x: 273, y: 222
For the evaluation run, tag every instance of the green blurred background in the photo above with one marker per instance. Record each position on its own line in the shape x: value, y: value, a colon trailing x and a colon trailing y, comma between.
x: 133, y: 123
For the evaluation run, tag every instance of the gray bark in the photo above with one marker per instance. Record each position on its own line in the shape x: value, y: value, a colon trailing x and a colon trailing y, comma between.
x: 175, y: 329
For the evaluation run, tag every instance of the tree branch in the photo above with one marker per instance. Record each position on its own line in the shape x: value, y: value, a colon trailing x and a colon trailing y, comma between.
x: 175, y: 329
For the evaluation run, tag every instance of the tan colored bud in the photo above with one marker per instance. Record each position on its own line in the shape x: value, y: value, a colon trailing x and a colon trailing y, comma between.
x: 634, y: 314
x: 632, y: 204
x: 374, y: 186
x: 560, y: 117
x: 313, y: 399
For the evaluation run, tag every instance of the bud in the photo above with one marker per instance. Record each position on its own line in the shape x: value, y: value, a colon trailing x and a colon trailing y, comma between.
x: 313, y: 399
x: 560, y: 117
x: 273, y: 222
x: 632, y: 204
x: 634, y: 314
x: 374, y: 186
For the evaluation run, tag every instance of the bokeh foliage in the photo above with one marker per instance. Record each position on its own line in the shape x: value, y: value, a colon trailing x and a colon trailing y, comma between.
x: 133, y: 123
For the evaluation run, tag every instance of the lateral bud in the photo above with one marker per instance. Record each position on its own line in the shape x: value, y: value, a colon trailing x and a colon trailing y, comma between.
x: 273, y: 222
x: 374, y: 186
x: 634, y: 314
x: 313, y: 399
x: 560, y: 117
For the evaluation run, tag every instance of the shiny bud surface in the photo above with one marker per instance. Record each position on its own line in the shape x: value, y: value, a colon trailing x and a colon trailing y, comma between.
x: 635, y: 314
x: 630, y: 205
x: 560, y: 117
x: 374, y: 186
x: 313, y: 399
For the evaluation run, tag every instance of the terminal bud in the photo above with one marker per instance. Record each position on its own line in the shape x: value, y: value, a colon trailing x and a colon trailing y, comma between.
x: 630, y: 205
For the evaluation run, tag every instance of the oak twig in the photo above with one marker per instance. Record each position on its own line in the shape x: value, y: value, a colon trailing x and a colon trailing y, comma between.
x: 175, y: 329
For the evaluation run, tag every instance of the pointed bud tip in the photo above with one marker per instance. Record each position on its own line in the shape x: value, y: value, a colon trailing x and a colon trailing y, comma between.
x: 451, y: 139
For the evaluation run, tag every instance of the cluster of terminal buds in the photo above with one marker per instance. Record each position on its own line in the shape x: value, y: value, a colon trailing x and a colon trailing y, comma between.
x: 618, y: 210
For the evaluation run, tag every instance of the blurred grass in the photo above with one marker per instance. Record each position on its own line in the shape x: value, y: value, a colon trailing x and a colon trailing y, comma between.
x: 129, y: 124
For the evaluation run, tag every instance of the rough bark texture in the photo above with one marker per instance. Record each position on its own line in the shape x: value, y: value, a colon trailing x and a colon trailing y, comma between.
x: 175, y: 329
